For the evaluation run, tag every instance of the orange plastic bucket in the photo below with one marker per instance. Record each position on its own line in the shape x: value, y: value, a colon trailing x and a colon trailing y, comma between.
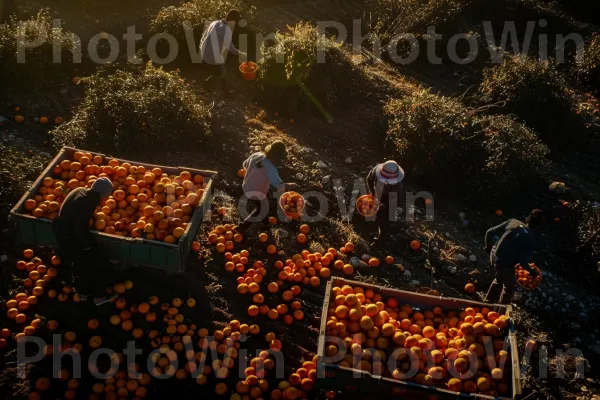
x: 248, y: 70
x: 367, y: 205
x: 292, y: 201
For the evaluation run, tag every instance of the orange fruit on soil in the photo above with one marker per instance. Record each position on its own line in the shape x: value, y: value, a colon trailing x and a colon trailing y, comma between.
x: 470, y: 288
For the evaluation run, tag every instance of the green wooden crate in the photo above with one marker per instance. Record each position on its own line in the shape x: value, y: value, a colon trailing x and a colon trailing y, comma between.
x: 139, y: 251
x: 356, y: 384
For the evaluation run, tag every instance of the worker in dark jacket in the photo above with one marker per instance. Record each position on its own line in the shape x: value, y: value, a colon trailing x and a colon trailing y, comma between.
x: 72, y: 231
x: 383, y: 181
x: 515, y: 244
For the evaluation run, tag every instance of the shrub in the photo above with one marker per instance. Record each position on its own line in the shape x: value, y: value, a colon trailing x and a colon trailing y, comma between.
x: 128, y: 111
x: 586, y: 230
x: 38, y: 72
x: 587, y: 69
x: 537, y: 93
x: 197, y: 13
x: 450, y: 147
x: 293, y: 76
x: 392, y: 17
x: 17, y: 173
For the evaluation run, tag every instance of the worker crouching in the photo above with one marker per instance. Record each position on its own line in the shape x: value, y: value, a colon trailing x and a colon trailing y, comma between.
x: 76, y: 244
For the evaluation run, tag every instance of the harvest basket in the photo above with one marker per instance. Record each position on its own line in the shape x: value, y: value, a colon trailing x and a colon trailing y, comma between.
x: 139, y: 251
x: 366, y: 198
x: 300, y: 205
x: 526, y: 287
x: 357, y: 384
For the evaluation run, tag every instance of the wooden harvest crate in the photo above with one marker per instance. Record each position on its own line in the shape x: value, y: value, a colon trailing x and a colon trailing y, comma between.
x: 368, y: 386
x: 139, y: 251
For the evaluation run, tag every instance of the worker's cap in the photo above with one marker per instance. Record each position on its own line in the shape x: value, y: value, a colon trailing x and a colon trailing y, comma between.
x: 276, y: 150
x: 389, y: 172
x: 103, y: 186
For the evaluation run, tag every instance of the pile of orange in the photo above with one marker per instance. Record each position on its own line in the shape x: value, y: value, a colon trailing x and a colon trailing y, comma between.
x: 524, y: 278
x: 224, y: 237
x: 145, y: 203
x: 446, y: 348
x: 20, y: 308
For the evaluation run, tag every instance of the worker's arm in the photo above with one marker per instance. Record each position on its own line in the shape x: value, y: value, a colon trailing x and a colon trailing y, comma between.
x: 371, y: 182
x: 274, y: 178
x: 494, y: 231
x: 526, y: 255
x: 81, y: 223
x: 229, y: 41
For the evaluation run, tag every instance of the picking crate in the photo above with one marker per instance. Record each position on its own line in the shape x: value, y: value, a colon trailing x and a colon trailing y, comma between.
x: 138, y: 251
x: 332, y: 377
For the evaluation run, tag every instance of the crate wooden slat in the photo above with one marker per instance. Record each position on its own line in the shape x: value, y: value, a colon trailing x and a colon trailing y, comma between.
x: 139, y: 251
x: 369, y: 386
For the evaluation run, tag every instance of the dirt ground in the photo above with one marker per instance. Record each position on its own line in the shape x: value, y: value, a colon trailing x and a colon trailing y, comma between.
x: 241, y: 125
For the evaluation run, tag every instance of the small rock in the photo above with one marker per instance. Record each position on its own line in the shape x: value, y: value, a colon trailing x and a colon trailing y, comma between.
x: 407, y: 274
x: 558, y: 187
x: 348, y: 160
x: 569, y: 298
x: 452, y: 269
x: 472, y: 258
x: 326, y: 179
x: 460, y: 258
x: 365, y: 257
x: 3, y: 258
x: 321, y: 165
x: 221, y: 103
x: 415, y: 283
x: 448, y: 235
x: 299, y: 176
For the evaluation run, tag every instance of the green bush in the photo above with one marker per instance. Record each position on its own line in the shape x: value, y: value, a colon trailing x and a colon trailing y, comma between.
x: 293, y: 76
x: 198, y: 13
x: 18, y: 170
x: 452, y: 148
x: 391, y: 17
x: 587, y: 70
x: 536, y: 92
x: 131, y: 111
x: 38, y: 72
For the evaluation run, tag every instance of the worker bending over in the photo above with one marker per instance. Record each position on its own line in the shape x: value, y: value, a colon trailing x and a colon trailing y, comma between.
x: 515, y: 244
x: 384, y: 181
x: 262, y: 177
x: 216, y: 43
x: 72, y: 231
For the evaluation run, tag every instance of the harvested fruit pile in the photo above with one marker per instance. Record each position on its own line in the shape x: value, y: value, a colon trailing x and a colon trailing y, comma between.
x: 20, y: 306
x: 145, y: 203
x: 460, y: 350
x: 206, y: 355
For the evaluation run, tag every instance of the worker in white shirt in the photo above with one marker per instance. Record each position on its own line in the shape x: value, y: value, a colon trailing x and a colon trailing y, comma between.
x: 216, y: 43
